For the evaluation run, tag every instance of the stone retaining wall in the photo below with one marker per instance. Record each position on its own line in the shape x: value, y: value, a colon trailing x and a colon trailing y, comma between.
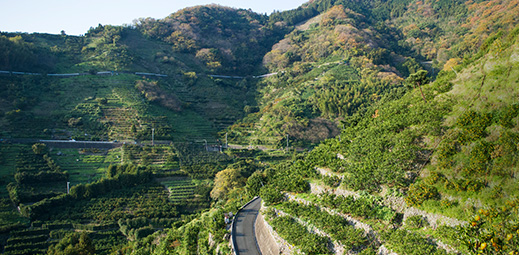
x: 276, y: 244
x: 266, y: 242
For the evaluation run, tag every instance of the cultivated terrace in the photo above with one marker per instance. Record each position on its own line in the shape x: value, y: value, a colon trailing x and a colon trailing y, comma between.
x: 382, y: 127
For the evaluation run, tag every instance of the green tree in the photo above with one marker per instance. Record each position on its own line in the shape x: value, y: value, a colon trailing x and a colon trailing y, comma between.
x: 73, y: 244
x: 418, y: 79
x: 254, y: 184
x: 225, y: 181
x: 271, y: 195
x: 39, y: 148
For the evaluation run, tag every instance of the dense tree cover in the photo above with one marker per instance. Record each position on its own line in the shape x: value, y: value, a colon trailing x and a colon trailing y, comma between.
x: 225, y: 39
x: 235, y: 176
x: 154, y: 93
x: 380, y: 148
x: 254, y: 184
x: 313, y: 8
x: 17, y: 54
x: 328, y: 69
x: 75, y: 243
x: 22, y: 52
x: 36, y: 167
x: 382, y: 42
x: 461, y: 131
x: 107, y: 50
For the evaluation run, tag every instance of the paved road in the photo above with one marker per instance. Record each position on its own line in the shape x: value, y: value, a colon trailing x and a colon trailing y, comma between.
x: 70, y: 144
x: 245, y: 235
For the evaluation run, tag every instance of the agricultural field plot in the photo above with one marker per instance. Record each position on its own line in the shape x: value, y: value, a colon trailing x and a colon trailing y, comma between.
x: 160, y: 157
x: 180, y: 189
x: 28, y: 241
x: 10, y: 218
x: 38, y: 238
x: 85, y: 166
x: 148, y: 200
x: 8, y: 153
x: 186, y: 191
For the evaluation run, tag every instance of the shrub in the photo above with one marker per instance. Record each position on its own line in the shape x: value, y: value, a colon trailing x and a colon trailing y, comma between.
x: 444, y: 153
x: 332, y: 181
x: 479, y: 158
x: 102, y: 100
x: 271, y: 195
x: 416, y: 221
x: 473, y: 125
x: 403, y: 242
x: 434, y: 178
x: 419, y: 193
x: 507, y: 114
x: 492, y: 231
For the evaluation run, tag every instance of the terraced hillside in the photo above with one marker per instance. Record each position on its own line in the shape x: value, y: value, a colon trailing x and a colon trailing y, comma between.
x: 414, y: 175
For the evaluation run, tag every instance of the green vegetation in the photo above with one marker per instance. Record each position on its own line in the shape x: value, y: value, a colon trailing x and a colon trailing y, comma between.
x: 188, y: 192
x: 370, y: 108
x: 365, y: 206
x: 295, y: 233
x: 404, y: 242
x: 336, y: 226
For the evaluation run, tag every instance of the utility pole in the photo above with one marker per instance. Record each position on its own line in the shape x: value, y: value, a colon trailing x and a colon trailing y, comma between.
x: 153, y: 136
x: 226, y: 144
x: 68, y: 187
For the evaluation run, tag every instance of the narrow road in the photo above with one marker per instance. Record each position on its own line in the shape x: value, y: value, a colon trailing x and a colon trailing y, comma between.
x: 245, y: 235
x: 69, y: 144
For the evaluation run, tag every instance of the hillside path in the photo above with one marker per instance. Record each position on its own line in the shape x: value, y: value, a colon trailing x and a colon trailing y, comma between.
x: 246, y: 243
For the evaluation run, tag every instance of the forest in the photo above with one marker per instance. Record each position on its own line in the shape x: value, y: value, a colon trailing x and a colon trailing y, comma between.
x: 383, y: 127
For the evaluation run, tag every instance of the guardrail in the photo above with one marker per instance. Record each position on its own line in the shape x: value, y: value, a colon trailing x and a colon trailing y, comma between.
x: 111, y: 73
x: 233, y: 227
x: 65, y: 75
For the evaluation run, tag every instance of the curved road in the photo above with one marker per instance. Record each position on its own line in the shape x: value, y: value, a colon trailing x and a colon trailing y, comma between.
x: 245, y: 235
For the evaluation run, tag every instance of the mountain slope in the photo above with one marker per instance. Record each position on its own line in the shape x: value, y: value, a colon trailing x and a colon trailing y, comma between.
x: 447, y: 148
x: 199, y: 104
x: 408, y: 110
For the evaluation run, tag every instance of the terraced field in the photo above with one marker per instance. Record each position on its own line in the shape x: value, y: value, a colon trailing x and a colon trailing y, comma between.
x: 185, y: 191
x: 8, y: 153
x: 180, y: 189
x: 85, y: 166
x: 352, y: 222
